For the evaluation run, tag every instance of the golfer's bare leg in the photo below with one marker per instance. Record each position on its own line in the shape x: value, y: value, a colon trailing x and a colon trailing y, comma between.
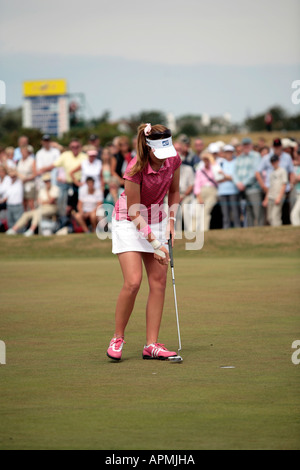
x: 131, y: 265
x: 157, y: 278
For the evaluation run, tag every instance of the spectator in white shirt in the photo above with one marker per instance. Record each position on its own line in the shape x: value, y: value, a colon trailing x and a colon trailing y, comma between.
x: 5, y: 182
x: 14, y: 199
x: 89, y: 200
x: 47, y: 201
x: 45, y: 157
x: 90, y: 168
x: 9, y: 158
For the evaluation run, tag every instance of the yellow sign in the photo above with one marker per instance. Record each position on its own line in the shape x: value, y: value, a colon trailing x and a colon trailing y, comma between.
x: 45, y: 87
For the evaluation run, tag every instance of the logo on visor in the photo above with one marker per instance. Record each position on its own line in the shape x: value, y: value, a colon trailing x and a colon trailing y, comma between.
x: 165, y: 143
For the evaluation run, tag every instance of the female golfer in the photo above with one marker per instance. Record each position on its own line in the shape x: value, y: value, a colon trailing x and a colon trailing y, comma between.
x: 140, y: 228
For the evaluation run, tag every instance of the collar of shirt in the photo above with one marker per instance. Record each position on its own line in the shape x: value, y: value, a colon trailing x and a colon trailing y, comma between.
x: 164, y: 167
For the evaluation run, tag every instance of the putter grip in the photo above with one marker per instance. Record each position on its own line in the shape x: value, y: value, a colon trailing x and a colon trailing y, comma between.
x: 171, y: 251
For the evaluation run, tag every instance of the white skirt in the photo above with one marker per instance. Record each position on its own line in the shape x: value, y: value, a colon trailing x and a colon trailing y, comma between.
x: 125, y: 236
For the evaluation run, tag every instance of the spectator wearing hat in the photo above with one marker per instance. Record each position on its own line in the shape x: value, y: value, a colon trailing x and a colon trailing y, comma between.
x: 187, y: 155
x: 285, y: 161
x: 26, y: 169
x: 89, y: 200
x: 265, y: 169
x: 44, y: 158
x: 13, y: 198
x: 205, y: 187
x: 94, y: 141
x: 91, y: 167
x: 275, y: 195
x: 244, y: 178
x: 295, y: 214
x: 47, y: 207
x: 228, y: 192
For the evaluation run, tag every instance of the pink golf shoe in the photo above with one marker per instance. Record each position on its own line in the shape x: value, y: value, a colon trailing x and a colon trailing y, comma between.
x: 115, y: 348
x: 157, y: 351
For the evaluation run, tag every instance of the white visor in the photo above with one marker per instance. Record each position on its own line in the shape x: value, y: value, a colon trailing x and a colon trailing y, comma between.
x: 162, y: 148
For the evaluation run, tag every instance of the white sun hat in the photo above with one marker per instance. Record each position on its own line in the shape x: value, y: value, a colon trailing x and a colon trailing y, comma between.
x: 228, y: 148
x: 213, y: 147
x: 162, y: 148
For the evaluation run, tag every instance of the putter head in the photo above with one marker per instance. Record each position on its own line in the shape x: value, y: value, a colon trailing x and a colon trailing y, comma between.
x: 175, y: 359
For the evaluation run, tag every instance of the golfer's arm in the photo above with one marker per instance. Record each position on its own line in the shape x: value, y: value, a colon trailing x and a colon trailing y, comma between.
x: 133, y: 195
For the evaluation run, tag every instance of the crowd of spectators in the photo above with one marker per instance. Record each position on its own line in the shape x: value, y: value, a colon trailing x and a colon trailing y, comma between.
x: 58, y: 190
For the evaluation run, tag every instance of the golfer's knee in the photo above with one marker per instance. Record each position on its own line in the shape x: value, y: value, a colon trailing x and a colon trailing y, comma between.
x: 158, y: 282
x: 133, y: 285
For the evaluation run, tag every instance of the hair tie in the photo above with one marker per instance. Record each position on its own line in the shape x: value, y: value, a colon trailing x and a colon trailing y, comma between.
x: 148, y: 129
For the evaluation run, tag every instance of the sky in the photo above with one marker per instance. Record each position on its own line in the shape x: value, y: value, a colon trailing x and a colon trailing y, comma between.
x: 180, y: 56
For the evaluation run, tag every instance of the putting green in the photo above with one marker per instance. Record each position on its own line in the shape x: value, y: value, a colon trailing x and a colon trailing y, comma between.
x: 238, y: 306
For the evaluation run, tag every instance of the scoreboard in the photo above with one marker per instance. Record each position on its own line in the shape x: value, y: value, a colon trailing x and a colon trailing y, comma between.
x: 45, y: 106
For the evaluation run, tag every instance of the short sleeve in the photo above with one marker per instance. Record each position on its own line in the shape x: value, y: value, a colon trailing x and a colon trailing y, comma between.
x: 137, y: 177
x: 263, y: 164
x: 290, y: 166
x: 59, y: 161
x: 177, y: 162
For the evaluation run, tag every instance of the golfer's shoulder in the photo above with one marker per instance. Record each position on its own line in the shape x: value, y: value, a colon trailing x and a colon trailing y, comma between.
x: 176, y: 162
x: 130, y: 175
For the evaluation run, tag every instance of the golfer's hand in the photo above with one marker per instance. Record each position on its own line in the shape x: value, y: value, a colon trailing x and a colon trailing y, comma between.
x: 166, y: 259
x: 170, y: 231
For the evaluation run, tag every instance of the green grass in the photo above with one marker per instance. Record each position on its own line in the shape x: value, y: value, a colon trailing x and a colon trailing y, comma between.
x: 238, y: 305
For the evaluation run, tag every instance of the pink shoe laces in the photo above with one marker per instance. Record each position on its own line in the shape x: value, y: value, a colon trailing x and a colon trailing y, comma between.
x: 117, y: 341
x: 160, y: 345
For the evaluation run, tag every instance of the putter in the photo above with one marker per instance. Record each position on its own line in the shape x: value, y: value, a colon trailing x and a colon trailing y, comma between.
x: 177, y: 358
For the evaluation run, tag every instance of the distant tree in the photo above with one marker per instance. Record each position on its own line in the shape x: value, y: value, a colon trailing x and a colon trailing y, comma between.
x: 257, y: 123
x: 189, y: 124
x: 292, y: 123
x: 189, y: 129
x: 104, y: 118
x: 154, y: 117
x: 10, y: 120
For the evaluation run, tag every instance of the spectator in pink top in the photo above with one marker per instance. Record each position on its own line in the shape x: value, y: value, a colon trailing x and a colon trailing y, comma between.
x: 205, y: 187
x: 139, y: 233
